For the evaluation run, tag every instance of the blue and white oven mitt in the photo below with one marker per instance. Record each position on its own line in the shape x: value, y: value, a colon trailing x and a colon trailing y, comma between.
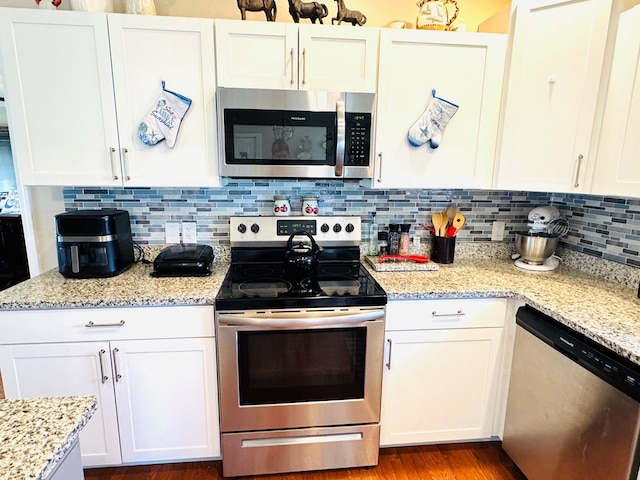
x: 163, y: 121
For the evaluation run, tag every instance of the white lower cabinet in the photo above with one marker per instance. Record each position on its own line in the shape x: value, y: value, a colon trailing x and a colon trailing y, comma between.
x: 442, y: 370
x: 152, y: 370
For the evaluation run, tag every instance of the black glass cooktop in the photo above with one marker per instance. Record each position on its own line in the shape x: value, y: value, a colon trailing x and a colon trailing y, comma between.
x: 256, y: 286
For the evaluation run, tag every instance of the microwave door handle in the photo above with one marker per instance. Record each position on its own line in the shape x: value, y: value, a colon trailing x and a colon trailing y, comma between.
x: 311, y: 321
x: 340, y: 140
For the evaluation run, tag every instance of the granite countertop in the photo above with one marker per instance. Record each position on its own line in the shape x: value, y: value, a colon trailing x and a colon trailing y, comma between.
x: 608, y: 311
x: 36, y: 434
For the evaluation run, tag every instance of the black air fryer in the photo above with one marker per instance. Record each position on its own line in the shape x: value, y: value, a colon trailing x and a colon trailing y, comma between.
x: 94, y: 243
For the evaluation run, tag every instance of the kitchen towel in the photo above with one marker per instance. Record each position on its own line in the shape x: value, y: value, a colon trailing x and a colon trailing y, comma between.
x: 163, y: 121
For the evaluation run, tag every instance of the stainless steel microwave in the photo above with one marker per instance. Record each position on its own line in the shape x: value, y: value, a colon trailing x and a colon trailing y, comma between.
x: 283, y: 134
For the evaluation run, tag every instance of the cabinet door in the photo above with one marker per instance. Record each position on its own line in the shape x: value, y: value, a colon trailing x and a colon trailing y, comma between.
x: 339, y: 59
x: 256, y: 54
x: 64, y: 369
x: 145, y: 51
x: 465, y: 69
x: 439, y: 385
x: 61, y: 113
x: 617, y: 170
x: 166, y: 393
x: 552, y: 90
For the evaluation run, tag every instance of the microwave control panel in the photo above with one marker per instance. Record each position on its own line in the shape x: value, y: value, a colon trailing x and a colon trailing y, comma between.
x: 357, y: 138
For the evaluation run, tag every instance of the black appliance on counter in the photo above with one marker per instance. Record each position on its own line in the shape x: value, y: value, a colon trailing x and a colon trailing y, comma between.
x: 300, y: 333
x: 183, y: 260
x: 14, y: 267
x: 94, y: 243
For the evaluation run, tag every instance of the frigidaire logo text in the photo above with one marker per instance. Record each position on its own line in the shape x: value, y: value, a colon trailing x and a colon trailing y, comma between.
x: 567, y: 342
x: 299, y: 118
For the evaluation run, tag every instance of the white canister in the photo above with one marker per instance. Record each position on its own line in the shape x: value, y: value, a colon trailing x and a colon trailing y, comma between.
x: 309, y: 206
x: 281, y: 205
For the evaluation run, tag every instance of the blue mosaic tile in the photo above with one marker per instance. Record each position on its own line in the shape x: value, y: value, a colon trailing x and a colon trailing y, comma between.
x: 600, y: 226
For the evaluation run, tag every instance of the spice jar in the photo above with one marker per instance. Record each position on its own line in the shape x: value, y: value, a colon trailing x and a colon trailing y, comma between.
x: 383, y: 245
x: 404, y: 239
x: 281, y: 205
x: 394, y: 238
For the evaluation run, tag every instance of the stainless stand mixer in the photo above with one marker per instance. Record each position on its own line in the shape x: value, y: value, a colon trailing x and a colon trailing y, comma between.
x: 536, y: 247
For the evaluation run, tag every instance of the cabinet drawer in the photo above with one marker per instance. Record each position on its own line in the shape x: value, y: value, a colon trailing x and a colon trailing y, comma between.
x: 448, y: 313
x: 90, y: 324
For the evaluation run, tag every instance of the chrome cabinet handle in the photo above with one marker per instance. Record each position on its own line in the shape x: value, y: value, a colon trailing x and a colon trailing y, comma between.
x: 114, y: 170
x: 304, y: 66
x: 91, y: 324
x: 101, y: 360
x: 125, y: 162
x: 291, y: 66
x: 388, y: 364
x: 577, y: 182
x: 116, y: 375
x: 379, y: 168
x: 436, y: 314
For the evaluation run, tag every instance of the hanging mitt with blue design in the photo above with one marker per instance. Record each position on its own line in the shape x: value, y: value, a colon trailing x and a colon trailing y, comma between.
x: 431, y: 124
x: 163, y: 121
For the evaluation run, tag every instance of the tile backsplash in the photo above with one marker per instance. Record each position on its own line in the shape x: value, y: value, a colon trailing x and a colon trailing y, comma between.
x: 600, y: 226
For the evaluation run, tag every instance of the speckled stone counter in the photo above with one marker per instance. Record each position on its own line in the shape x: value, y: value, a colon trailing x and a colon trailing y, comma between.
x: 604, y: 306
x: 36, y: 434
x: 606, y: 311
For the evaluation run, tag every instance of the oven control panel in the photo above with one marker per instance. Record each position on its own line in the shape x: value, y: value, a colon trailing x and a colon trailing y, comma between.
x: 275, y: 231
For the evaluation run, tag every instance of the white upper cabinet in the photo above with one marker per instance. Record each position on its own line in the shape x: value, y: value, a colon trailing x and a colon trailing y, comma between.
x: 74, y: 122
x: 552, y: 91
x: 465, y: 69
x: 617, y: 169
x: 282, y: 56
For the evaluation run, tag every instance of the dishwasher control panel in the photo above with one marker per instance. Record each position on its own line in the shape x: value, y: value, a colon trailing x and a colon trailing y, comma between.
x: 598, y: 359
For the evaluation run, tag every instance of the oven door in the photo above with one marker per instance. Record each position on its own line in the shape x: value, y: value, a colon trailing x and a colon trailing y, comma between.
x: 291, y: 369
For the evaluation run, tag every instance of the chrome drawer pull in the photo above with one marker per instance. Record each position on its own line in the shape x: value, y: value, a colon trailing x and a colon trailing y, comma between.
x: 388, y: 364
x: 91, y: 324
x: 436, y: 314
x: 115, y: 364
x: 101, y: 359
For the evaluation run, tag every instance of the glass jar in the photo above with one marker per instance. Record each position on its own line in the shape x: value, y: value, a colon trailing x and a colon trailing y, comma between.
x: 404, y: 239
x: 394, y: 239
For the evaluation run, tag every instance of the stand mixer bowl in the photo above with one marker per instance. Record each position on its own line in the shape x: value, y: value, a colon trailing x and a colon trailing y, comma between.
x: 535, y: 248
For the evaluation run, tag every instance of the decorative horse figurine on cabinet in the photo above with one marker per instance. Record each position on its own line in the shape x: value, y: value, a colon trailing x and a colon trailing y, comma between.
x: 312, y: 10
x: 350, y: 16
x: 267, y: 6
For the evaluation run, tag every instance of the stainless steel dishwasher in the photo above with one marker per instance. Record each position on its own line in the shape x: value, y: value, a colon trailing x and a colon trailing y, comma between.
x: 574, y: 406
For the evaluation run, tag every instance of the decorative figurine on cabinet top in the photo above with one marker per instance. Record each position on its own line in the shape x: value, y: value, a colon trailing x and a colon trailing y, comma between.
x: 354, y: 17
x: 433, y: 14
x: 267, y: 6
x: 141, y: 7
x: 48, y: 4
x: 311, y: 10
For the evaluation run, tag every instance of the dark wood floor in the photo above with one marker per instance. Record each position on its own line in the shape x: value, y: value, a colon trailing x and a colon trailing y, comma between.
x: 468, y: 461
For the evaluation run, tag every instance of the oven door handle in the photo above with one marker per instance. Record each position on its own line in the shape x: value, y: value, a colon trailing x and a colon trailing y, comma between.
x: 312, y: 321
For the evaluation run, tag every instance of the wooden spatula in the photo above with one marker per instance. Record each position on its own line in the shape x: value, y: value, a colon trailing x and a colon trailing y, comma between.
x: 456, y: 224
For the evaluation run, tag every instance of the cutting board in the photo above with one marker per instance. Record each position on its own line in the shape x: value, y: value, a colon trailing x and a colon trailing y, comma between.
x: 400, y: 266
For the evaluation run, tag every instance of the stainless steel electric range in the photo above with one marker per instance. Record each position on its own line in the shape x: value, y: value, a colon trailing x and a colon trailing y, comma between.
x: 300, y: 331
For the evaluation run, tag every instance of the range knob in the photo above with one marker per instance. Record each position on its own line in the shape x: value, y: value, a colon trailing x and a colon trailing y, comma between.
x: 324, y: 228
x: 255, y: 228
x: 337, y: 228
x: 242, y: 228
x: 349, y: 228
